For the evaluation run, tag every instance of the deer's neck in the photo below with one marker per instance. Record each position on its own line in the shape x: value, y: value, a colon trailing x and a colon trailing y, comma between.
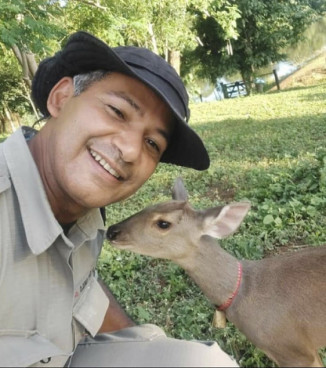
x: 214, y: 270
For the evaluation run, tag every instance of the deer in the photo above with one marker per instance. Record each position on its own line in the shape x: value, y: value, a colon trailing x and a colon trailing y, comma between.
x: 278, y: 302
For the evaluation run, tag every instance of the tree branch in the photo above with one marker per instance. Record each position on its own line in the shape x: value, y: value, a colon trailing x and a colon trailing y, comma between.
x: 95, y: 4
x: 17, y: 53
x: 151, y: 33
x: 32, y: 64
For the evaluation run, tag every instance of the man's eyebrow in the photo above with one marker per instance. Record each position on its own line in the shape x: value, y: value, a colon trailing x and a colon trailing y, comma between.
x: 127, y: 98
x: 164, y: 133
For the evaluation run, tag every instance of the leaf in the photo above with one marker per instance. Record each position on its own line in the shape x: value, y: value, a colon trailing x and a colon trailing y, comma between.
x: 268, y: 220
x: 142, y: 313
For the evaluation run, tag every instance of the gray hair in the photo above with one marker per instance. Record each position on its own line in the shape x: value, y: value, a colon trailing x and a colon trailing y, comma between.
x: 83, y: 81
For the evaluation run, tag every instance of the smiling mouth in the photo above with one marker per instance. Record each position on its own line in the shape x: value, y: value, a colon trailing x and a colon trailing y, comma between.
x: 106, y: 166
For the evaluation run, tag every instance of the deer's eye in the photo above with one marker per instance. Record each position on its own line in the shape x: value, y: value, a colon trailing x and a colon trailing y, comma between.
x: 163, y: 224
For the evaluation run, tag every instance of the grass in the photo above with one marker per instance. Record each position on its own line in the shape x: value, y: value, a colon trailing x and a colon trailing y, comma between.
x: 269, y: 149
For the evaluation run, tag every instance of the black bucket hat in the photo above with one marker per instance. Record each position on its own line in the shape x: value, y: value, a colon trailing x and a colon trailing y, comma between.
x: 84, y: 53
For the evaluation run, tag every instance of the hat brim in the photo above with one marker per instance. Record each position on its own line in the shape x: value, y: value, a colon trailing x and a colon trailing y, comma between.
x: 85, y: 53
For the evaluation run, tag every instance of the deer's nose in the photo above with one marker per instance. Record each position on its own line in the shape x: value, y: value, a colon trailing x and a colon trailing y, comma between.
x: 112, y: 232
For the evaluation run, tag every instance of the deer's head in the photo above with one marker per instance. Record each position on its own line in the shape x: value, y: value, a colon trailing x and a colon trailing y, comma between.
x: 173, y: 229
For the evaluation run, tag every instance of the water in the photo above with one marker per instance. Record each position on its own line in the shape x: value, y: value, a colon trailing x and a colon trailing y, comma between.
x: 284, y: 68
x: 314, y: 42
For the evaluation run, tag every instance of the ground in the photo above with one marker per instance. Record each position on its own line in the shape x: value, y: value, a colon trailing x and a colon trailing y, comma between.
x: 309, y: 74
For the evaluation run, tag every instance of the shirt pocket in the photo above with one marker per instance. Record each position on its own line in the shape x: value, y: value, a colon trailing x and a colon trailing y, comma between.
x: 26, y: 348
x: 91, y: 307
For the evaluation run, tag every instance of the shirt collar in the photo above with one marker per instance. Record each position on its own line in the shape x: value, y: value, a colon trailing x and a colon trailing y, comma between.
x: 41, y: 227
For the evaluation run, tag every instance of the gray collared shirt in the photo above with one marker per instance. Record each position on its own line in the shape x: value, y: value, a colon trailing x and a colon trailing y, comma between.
x: 49, y: 295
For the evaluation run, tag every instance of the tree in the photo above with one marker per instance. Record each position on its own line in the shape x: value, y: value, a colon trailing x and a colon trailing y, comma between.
x: 264, y: 29
x: 14, y: 96
x: 26, y: 29
x: 214, y: 25
x: 160, y: 25
x: 163, y: 26
x: 26, y: 26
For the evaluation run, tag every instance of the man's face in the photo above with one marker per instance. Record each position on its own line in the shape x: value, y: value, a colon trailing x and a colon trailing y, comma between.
x: 104, y: 144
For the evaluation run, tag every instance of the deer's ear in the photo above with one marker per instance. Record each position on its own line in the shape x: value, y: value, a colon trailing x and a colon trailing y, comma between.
x: 226, y: 221
x: 179, y: 191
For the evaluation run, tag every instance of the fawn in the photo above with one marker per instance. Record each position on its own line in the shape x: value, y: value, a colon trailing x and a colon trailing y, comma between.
x: 279, y: 303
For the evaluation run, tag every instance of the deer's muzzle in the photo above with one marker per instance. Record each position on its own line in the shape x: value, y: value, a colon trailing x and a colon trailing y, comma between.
x: 112, y: 232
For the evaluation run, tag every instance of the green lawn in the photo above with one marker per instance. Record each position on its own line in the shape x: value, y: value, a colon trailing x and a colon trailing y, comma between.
x: 269, y: 149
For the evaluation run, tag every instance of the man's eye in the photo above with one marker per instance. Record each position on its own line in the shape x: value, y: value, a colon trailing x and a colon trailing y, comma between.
x: 153, y: 145
x: 116, y: 111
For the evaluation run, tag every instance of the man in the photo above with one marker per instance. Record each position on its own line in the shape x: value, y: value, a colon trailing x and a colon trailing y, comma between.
x: 112, y: 116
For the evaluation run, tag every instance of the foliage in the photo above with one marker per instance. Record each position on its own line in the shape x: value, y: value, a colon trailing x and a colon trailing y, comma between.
x: 27, y: 31
x: 12, y: 92
x: 268, y: 149
x: 140, y: 23
x: 100, y: 18
x: 264, y: 29
x: 143, y: 23
x: 29, y: 24
x: 39, y: 26
x: 213, y: 25
x: 314, y: 38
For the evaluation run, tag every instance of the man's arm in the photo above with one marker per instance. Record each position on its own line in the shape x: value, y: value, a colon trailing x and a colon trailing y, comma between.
x: 115, y: 318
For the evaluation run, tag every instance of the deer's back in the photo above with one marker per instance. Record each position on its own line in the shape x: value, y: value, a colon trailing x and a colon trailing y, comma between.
x: 283, y: 295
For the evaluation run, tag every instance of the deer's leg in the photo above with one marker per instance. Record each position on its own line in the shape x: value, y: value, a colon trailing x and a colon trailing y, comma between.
x: 317, y: 362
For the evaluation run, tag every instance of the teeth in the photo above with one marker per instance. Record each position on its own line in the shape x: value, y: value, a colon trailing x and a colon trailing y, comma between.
x: 104, y: 164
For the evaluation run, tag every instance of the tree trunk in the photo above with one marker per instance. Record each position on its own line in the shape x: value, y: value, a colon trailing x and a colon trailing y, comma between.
x: 28, y: 63
x: 174, y: 59
x: 28, y: 96
x: 26, y: 73
x: 9, y: 117
x: 247, y: 82
x: 2, y: 125
x: 247, y: 75
x: 17, y: 53
x: 32, y: 64
x: 29, y: 66
x: 151, y: 33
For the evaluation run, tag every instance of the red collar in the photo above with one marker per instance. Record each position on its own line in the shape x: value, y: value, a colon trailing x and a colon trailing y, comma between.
x: 229, y: 301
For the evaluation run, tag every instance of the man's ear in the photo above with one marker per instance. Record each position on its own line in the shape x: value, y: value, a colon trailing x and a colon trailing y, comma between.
x: 59, y: 94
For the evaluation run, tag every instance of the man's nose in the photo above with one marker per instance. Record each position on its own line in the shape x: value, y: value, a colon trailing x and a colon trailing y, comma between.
x: 130, y: 145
